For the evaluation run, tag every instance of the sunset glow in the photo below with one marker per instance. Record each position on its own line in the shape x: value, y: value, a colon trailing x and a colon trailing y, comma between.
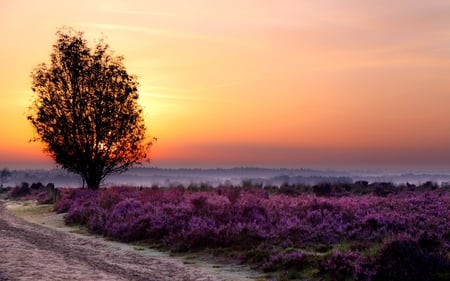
x: 322, y: 84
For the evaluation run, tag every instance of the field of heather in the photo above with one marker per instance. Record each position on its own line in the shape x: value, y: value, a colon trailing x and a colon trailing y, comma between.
x: 323, y: 232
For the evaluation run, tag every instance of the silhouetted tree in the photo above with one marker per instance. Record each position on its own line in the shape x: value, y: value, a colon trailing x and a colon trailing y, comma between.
x: 4, y: 175
x: 85, y: 109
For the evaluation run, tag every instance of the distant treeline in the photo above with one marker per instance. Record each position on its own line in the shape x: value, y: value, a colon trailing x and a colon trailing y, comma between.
x: 336, y: 189
x: 218, y: 177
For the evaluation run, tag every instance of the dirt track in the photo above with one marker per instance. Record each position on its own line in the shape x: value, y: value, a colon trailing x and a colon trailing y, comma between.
x: 30, y: 251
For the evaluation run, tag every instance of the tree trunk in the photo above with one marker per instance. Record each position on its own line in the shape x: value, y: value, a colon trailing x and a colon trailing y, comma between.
x: 93, y: 180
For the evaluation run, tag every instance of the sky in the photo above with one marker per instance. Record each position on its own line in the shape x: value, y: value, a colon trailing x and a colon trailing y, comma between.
x: 290, y: 83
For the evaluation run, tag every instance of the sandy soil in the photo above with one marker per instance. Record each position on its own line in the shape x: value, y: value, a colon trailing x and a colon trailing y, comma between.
x: 42, y: 248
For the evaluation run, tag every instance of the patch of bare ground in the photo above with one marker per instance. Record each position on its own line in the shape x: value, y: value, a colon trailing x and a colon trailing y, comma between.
x: 37, y: 245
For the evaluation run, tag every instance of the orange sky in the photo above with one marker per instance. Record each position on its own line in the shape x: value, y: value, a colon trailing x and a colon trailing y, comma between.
x: 295, y: 83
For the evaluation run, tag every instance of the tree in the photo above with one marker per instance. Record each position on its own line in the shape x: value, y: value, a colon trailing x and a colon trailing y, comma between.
x: 4, y: 175
x: 85, y: 109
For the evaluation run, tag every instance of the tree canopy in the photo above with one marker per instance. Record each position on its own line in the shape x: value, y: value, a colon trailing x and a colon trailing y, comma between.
x: 85, y: 109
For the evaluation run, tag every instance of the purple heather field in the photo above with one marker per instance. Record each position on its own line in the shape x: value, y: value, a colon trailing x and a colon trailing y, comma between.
x: 340, y: 231
x: 290, y: 223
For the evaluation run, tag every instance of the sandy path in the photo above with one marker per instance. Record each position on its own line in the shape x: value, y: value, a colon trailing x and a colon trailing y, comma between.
x: 30, y: 251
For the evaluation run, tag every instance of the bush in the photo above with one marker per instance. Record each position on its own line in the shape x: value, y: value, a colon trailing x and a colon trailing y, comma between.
x: 72, y: 197
x: 125, y: 221
x: 339, y: 265
x: 43, y: 198
x: 97, y: 222
x: 53, y: 193
x: 285, y: 260
x: 20, y: 191
x: 322, y: 189
x: 81, y: 212
x: 406, y: 260
x: 37, y: 185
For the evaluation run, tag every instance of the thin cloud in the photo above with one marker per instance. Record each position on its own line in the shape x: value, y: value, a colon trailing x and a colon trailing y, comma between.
x: 171, y: 97
x: 222, y: 85
x: 171, y: 89
x: 141, y: 29
x: 139, y: 12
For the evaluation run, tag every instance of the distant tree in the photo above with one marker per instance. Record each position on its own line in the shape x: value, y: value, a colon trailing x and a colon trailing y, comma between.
x: 85, y: 109
x: 4, y: 175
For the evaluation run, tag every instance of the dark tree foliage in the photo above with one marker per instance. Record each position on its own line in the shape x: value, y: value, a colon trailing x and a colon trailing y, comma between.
x: 4, y: 175
x: 85, y: 109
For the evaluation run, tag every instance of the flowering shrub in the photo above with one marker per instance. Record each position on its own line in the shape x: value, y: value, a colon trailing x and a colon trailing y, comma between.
x: 125, y: 221
x: 339, y: 265
x: 263, y: 225
x: 43, y: 198
x: 405, y: 259
x: 283, y: 260
x: 82, y: 212
x: 72, y: 197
